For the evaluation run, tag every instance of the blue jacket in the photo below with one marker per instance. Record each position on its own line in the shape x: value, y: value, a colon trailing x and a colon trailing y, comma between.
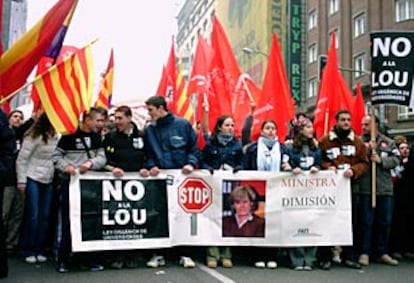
x: 304, y: 160
x: 215, y: 154
x: 172, y: 143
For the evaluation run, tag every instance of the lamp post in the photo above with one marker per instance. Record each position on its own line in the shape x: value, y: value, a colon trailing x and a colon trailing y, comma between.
x: 250, y: 51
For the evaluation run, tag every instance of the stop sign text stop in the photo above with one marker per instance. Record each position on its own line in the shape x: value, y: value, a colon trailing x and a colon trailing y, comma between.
x: 194, y: 195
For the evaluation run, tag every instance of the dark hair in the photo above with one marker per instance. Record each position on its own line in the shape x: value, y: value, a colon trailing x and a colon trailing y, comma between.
x: 42, y: 127
x: 301, y: 114
x: 268, y: 121
x: 91, y: 113
x: 102, y: 110
x: 299, y: 140
x: 242, y: 192
x: 157, y: 101
x: 124, y: 109
x: 219, y: 123
x: 15, y: 111
x: 340, y: 112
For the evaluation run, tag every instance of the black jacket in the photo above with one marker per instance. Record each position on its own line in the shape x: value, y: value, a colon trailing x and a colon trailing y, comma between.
x: 125, y: 151
x: 7, y: 144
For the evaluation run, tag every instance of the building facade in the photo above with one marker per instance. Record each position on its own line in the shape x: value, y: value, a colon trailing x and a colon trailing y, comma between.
x: 303, y: 28
x: 352, y: 21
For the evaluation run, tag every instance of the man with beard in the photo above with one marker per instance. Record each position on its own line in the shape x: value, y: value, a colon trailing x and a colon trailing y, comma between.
x: 342, y: 149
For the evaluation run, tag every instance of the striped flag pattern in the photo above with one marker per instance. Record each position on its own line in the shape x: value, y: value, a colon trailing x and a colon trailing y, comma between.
x: 65, y: 91
x: 20, y: 59
x: 183, y: 107
x: 105, y: 93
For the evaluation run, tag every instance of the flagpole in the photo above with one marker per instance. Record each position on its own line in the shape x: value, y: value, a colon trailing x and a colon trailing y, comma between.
x: 373, y: 163
x: 249, y: 94
x: 326, y: 121
x: 11, y: 95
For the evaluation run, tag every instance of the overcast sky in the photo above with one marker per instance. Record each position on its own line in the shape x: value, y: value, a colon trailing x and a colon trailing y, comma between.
x: 140, y: 32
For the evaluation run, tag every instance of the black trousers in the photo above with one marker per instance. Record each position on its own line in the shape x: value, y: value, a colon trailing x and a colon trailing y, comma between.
x: 3, y: 254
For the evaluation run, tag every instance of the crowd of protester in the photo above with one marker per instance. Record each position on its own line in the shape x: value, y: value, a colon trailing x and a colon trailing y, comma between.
x: 36, y: 164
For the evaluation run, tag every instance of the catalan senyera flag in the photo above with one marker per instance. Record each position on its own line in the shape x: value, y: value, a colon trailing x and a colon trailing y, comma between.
x: 20, y: 59
x: 183, y: 106
x: 65, y: 91
x: 105, y: 93
x: 54, y: 52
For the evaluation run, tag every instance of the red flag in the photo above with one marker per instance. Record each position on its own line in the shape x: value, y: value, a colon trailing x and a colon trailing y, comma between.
x: 166, y: 86
x: 276, y: 101
x: 105, y: 93
x: 247, y: 92
x: 66, y: 89
x: 334, y: 94
x: 20, y: 59
x: 199, y: 83
x: 162, y: 84
x: 225, y: 73
x: 358, y: 110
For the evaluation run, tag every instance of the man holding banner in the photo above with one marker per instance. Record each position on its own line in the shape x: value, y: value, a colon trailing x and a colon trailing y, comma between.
x: 385, y: 154
x: 342, y: 149
x: 76, y: 154
x: 172, y: 145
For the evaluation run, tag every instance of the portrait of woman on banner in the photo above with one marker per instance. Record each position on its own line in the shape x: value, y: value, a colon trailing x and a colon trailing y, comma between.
x: 243, y: 222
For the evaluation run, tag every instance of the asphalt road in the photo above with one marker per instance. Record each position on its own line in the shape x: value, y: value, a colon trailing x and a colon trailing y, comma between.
x: 21, y: 272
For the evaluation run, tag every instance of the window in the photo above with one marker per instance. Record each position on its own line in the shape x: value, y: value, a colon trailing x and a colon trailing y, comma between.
x: 359, y: 25
x: 359, y: 65
x: 405, y: 113
x: 404, y: 10
x: 312, y: 88
x: 333, y: 6
x: 312, y: 53
x: 312, y: 20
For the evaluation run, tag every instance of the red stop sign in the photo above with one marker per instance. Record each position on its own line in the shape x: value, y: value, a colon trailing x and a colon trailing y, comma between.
x: 194, y: 195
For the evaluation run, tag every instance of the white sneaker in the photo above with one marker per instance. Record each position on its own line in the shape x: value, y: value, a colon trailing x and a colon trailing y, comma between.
x: 187, y: 262
x: 337, y: 259
x: 41, y: 258
x: 156, y: 261
x: 260, y: 264
x: 30, y: 259
x: 272, y: 264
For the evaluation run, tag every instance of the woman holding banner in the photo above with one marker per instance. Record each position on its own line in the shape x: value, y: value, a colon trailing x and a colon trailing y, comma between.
x: 222, y: 151
x: 266, y: 154
x: 304, y: 155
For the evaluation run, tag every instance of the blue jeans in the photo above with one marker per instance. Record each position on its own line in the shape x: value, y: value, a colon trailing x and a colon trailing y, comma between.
x: 38, y: 204
x: 376, y: 219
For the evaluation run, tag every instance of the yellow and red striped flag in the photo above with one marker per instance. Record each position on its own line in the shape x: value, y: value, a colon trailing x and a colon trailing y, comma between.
x: 105, y: 94
x: 183, y: 105
x: 65, y: 91
x: 20, y: 59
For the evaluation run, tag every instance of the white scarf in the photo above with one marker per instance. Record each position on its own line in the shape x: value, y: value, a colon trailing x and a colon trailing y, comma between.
x: 268, y: 160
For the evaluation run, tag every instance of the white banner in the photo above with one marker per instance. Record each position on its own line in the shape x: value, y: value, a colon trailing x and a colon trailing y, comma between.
x: 175, y: 209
